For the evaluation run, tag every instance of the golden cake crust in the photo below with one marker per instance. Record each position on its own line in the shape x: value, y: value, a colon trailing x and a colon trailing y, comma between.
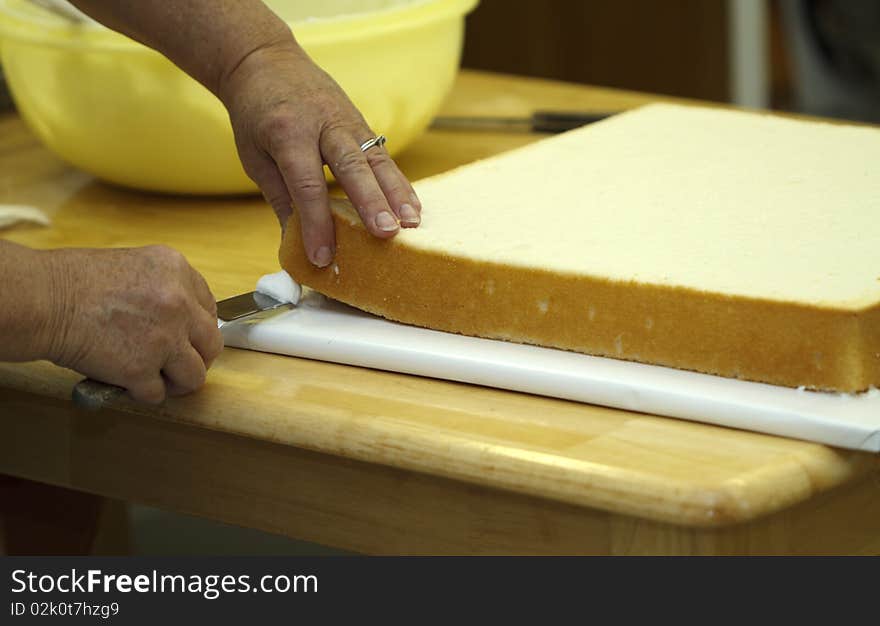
x: 791, y: 344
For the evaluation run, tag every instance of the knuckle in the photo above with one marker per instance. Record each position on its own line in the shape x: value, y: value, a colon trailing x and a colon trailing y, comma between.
x: 309, y: 189
x: 339, y: 123
x: 278, y: 126
x: 351, y: 163
x: 171, y: 300
x: 281, y: 132
x: 378, y: 158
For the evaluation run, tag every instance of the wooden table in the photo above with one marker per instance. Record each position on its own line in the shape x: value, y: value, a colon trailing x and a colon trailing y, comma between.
x: 385, y: 463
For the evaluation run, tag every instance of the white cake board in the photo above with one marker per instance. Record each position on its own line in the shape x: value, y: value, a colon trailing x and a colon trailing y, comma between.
x: 326, y: 330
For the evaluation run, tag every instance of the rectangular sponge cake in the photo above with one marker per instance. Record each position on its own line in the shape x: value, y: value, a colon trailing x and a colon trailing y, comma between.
x: 725, y: 242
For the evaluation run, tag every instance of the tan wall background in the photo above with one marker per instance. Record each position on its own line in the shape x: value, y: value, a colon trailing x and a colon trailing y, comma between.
x: 676, y: 47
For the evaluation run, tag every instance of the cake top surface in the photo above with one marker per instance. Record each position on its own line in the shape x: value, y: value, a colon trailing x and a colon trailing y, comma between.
x: 716, y: 200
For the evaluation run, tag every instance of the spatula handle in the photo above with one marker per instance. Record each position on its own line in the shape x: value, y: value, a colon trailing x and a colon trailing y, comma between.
x: 92, y: 395
x: 561, y: 121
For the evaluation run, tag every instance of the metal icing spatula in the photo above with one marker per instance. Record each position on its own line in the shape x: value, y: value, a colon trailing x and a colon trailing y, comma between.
x: 92, y: 394
x: 537, y: 122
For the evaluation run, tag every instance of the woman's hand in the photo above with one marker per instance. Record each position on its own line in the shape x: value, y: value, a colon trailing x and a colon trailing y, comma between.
x: 290, y: 118
x: 139, y: 318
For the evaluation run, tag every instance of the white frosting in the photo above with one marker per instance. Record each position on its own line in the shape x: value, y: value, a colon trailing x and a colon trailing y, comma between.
x: 280, y: 286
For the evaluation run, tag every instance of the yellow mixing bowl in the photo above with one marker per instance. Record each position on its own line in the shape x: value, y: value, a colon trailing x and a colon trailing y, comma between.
x: 126, y: 114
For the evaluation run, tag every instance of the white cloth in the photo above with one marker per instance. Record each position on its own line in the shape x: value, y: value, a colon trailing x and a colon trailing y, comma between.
x: 13, y: 214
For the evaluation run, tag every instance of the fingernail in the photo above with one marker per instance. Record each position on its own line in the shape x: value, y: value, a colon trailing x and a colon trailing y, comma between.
x: 385, y: 221
x: 408, y: 215
x: 323, y: 257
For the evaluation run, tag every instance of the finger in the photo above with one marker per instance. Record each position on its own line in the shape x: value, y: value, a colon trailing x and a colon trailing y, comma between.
x: 203, y: 294
x: 185, y: 372
x: 398, y: 191
x: 303, y: 173
x: 271, y: 183
x: 149, y: 391
x: 206, y: 338
x: 349, y: 164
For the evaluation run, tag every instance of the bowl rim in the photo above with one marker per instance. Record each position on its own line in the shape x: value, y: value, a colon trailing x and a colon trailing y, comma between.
x: 55, y: 32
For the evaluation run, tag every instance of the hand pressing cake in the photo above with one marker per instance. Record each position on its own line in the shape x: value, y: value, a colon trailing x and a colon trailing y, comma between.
x: 731, y: 243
